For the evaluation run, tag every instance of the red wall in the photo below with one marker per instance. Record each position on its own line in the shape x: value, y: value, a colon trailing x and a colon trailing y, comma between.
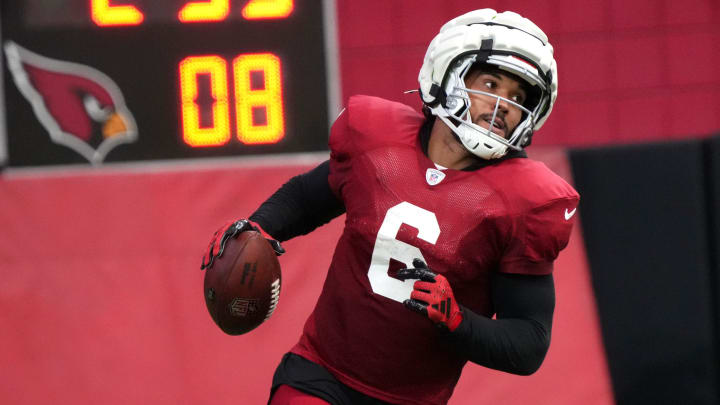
x: 628, y: 70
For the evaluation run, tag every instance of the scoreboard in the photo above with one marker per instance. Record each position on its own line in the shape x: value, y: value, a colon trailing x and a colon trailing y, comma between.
x: 95, y: 81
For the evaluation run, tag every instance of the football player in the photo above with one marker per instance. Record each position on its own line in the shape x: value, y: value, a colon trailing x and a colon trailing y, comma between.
x: 451, y: 230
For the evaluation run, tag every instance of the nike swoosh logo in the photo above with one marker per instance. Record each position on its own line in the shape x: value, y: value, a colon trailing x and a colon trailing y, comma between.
x: 569, y: 215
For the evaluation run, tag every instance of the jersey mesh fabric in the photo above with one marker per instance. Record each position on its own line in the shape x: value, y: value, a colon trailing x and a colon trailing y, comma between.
x: 506, y: 217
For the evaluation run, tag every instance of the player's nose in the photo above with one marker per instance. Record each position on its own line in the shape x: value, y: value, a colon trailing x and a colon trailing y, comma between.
x: 502, y: 104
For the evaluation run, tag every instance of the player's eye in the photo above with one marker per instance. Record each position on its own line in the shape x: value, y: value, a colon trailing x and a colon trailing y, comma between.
x: 519, y: 96
x: 490, y: 84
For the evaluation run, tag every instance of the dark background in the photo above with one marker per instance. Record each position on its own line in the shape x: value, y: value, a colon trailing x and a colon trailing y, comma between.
x: 649, y: 214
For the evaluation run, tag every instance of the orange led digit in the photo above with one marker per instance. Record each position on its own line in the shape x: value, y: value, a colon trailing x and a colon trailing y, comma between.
x: 198, y: 11
x: 265, y: 9
x: 216, y: 68
x: 265, y: 103
x: 104, y: 14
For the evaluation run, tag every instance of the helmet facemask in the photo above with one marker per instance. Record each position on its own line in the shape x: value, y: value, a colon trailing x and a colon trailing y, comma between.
x: 454, y: 111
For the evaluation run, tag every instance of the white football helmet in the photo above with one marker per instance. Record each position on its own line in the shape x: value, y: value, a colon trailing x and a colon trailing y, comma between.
x: 506, y: 41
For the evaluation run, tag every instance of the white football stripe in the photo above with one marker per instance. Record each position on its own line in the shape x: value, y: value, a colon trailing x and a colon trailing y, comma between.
x: 274, y: 298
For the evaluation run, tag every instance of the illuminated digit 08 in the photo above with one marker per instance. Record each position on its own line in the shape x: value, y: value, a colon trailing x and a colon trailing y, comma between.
x: 260, y: 117
x: 262, y: 9
x: 103, y: 14
x: 214, y: 10
x: 216, y: 68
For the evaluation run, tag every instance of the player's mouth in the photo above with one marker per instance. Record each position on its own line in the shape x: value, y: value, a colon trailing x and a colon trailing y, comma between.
x: 498, y: 125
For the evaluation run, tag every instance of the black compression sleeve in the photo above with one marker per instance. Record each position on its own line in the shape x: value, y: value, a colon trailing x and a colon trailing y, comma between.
x: 302, y: 204
x: 518, y: 339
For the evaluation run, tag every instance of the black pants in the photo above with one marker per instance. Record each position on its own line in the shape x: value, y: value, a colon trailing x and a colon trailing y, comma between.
x: 314, y: 379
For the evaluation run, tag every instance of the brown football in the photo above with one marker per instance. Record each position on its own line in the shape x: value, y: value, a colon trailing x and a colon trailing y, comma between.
x: 242, y: 287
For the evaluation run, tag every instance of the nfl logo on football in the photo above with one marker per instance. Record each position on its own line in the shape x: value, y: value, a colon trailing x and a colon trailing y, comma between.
x: 242, y: 307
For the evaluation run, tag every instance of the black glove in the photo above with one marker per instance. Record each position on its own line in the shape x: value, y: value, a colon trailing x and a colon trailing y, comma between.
x: 232, y: 230
x: 432, y: 296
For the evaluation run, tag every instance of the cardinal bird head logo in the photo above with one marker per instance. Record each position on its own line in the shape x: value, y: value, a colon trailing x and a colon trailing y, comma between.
x: 79, y: 106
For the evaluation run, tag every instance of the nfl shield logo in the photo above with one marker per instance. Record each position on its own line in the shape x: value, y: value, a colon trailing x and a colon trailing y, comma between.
x: 242, y: 307
x: 434, y: 176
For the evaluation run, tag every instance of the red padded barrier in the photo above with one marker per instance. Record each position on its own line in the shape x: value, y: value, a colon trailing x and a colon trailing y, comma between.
x: 683, y: 68
x: 101, y: 295
x: 590, y: 57
x: 610, y: 53
x: 575, y: 16
x: 635, y: 14
x: 637, y: 62
x: 691, y: 12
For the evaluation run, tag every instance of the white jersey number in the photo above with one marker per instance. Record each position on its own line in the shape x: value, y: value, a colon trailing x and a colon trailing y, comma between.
x: 387, y: 247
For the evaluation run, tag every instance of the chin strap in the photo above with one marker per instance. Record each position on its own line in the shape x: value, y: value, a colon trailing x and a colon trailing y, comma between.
x: 474, y: 146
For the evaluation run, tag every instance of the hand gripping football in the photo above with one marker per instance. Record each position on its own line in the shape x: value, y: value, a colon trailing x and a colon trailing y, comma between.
x: 242, y: 286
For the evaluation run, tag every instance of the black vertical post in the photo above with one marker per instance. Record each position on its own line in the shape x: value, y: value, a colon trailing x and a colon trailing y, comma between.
x: 645, y: 212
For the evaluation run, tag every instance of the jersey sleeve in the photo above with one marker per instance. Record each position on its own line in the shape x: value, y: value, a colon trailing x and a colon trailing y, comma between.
x: 538, y: 237
x: 340, y: 159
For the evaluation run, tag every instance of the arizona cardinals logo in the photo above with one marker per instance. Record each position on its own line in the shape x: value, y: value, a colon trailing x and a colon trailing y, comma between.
x: 79, y: 106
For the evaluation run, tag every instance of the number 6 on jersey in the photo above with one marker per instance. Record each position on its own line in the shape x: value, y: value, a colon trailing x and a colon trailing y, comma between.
x: 388, y: 247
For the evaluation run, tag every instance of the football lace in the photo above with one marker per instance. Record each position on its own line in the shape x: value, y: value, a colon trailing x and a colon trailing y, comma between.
x: 274, y: 298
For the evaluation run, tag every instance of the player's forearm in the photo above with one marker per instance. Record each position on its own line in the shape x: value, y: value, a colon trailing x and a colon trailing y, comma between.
x: 516, y: 346
x: 518, y: 340
x: 301, y: 205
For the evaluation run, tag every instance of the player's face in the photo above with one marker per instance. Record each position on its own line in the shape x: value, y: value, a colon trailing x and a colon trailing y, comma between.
x: 482, y: 107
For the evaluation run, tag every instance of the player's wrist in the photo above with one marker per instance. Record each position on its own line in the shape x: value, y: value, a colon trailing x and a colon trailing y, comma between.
x: 260, y: 229
x: 277, y: 247
x: 454, y: 322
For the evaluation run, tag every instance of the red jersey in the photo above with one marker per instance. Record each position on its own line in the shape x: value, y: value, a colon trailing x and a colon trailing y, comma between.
x: 514, y: 217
